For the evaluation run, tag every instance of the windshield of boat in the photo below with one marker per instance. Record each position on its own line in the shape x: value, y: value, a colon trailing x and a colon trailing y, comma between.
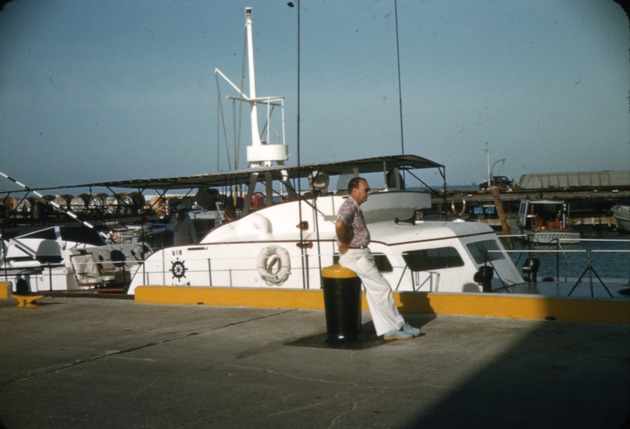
x: 483, y: 251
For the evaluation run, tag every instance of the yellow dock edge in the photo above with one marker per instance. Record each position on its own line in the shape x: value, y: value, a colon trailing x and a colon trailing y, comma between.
x: 5, y: 290
x: 508, y: 306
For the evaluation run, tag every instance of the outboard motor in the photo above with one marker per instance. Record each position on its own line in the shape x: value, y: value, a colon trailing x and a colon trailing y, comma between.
x: 531, y: 267
x: 484, y: 278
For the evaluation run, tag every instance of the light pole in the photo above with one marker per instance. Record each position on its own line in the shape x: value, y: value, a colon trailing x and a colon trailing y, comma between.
x: 491, y: 174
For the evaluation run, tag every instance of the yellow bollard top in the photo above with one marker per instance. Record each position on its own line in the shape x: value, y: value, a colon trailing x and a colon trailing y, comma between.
x: 338, y: 272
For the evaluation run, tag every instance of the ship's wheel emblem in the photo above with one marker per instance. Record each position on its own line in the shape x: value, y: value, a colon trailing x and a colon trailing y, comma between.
x: 178, y: 269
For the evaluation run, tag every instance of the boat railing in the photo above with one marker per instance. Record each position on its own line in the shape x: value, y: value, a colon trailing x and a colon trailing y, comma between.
x: 606, y: 260
x: 561, y: 262
x: 221, y: 272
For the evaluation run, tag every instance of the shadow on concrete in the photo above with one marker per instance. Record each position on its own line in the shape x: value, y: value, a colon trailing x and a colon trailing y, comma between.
x: 533, y: 383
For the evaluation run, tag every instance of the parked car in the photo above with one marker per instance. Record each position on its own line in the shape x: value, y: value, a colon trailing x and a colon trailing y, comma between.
x: 498, y: 181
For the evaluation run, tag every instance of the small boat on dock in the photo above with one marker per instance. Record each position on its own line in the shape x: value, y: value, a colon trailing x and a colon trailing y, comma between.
x: 65, y: 259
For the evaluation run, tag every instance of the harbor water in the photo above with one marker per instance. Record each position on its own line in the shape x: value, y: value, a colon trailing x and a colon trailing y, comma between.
x: 609, y: 254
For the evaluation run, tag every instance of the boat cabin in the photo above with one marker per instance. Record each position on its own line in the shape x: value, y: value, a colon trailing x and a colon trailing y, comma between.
x: 542, y: 215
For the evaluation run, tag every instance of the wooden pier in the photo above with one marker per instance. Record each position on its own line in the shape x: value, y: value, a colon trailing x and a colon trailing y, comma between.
x: 588, y: 207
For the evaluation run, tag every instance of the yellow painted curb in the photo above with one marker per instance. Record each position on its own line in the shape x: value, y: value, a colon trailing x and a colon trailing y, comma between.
x: 231, y: 297
x: 517, y: 307
x: 508, y: 306
x: 5, y: 290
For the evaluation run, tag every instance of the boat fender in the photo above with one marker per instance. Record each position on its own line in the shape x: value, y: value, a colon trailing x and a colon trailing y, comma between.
x: 454, y: 204
x: 274, y: 265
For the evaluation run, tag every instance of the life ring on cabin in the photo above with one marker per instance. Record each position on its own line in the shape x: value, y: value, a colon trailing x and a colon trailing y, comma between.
x: 274, y: 265
x: 454, y: 203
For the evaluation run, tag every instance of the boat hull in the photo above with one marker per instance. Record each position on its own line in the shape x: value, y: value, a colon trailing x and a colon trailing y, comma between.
x: 622, y: 217
x: 550, y: 237
x: 268, y: 249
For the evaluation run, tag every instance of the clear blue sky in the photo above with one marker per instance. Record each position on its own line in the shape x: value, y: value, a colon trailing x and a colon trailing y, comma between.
x: 118, y: 89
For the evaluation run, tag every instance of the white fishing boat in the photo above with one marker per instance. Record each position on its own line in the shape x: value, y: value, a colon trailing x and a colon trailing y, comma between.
x: 622, y: 216
x: 288, y: 244
x: 543, y: 222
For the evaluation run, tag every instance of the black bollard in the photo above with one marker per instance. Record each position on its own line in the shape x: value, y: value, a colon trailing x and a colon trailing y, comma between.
x: 342, y: 301
x: 531, y: 267
x: 21, y: 286
x: 484, y: 277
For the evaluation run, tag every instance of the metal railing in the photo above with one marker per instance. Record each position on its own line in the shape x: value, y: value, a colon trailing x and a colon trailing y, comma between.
x: 603, y: 259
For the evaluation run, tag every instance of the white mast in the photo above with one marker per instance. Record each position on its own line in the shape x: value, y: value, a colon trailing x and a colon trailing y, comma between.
x: 252, y: 78
x: 259, y: 154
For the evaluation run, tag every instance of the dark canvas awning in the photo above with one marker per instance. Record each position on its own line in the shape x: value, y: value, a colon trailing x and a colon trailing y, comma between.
x: 365, y: 165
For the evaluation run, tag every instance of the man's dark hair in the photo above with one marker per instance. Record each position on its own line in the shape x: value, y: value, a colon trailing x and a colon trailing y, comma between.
x: 354, y: 183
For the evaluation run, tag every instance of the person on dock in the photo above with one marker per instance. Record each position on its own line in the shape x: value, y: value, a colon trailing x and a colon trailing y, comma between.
x: 183, y: 228
x: 353, y: 239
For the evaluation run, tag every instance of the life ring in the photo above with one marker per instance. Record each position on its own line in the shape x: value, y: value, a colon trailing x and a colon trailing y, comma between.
x: 454, y: 205
x: 274, y: 265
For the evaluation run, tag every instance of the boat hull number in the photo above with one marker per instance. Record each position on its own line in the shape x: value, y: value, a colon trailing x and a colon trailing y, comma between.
x: 274, y: 265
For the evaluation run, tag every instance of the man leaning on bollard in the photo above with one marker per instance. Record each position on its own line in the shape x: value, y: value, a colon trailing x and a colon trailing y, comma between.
x: 353, y: 240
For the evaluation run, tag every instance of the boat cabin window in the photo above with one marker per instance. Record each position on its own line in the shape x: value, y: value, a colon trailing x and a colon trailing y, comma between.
x: 433, y: 259
x: 483, y: 251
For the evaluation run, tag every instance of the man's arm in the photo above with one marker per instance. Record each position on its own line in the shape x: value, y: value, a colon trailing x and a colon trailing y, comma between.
x: 340, y: 228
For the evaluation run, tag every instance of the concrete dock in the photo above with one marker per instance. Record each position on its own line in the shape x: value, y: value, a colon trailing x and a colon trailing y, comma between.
x: 102, y: 363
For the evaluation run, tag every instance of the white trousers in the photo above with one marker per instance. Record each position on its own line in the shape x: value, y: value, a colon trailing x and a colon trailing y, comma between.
x: 378, y: 291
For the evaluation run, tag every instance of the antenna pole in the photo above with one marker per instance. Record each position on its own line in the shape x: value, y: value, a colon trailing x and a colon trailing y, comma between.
x: 488, y: 162
x: 305, y: 276
x: 402, y: 138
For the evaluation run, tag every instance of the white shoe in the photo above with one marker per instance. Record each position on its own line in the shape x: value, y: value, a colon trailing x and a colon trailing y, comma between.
x: 397, y: 335
x: 408, y: 329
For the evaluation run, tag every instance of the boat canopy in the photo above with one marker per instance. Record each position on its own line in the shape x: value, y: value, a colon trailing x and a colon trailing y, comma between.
x: 280, y: 172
